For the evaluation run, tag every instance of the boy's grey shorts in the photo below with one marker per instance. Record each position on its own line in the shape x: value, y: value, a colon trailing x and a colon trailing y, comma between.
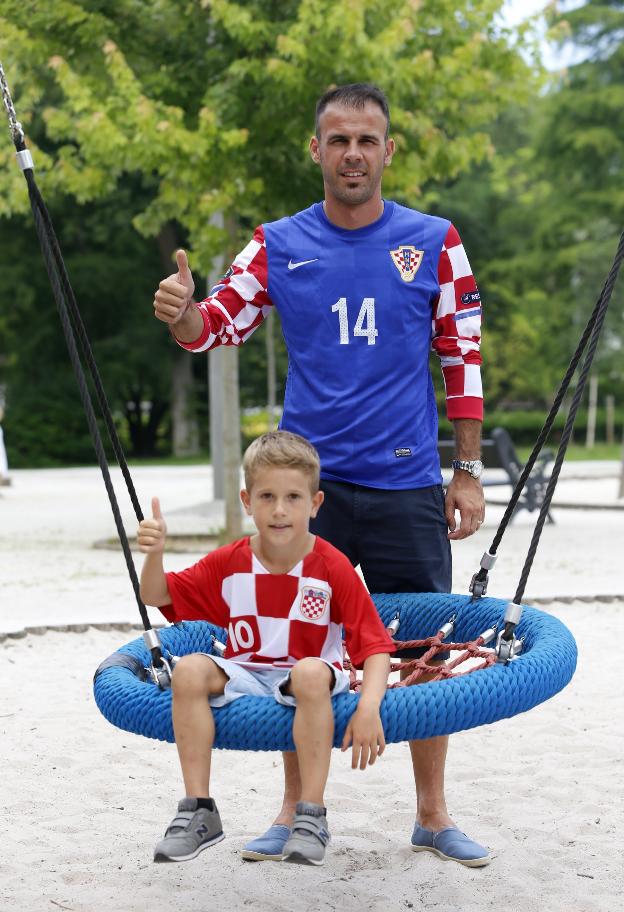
x: 264, y: 682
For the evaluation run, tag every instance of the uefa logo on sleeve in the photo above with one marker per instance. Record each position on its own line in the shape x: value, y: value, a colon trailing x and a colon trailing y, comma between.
x: 314, y: 603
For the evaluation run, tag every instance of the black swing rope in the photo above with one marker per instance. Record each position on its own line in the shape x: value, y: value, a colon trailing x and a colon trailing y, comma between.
x: 68, y: 310
x: 67, y: 305
x: 589, y: 341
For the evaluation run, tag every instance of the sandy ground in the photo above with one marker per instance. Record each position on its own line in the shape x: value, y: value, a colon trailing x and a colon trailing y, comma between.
x: 83, y: 803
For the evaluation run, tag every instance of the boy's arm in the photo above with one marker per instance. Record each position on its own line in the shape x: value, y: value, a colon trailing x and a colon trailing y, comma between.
x: 365, y: 730
x: 151, y: 539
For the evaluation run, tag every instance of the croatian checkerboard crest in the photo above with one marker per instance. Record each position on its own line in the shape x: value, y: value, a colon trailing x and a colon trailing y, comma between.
x: 407, y: 260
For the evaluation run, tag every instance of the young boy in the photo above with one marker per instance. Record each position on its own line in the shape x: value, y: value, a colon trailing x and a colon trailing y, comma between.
x: 284, y: 596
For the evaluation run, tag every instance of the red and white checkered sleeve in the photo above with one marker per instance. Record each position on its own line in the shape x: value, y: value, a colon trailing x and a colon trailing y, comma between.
x: 456, y: 330
x: 365, y: 635
x: 239, y: 302
x: 196, y: 591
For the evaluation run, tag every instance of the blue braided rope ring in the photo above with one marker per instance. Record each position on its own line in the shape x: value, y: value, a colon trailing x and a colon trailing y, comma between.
x: 545, y: 666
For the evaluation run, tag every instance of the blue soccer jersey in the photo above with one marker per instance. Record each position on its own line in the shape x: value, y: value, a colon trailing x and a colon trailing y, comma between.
x: 360, y: 310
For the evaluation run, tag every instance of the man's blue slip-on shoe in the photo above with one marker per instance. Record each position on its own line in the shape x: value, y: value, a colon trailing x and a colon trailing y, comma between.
x: 269, y: 846
x: 450, y: 844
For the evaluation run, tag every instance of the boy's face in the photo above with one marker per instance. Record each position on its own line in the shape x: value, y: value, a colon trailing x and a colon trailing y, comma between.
x: 282, y: 504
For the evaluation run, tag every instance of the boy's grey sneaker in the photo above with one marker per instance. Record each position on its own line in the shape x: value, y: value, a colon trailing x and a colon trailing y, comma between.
x: 309, y: 835
x: 191, y: 831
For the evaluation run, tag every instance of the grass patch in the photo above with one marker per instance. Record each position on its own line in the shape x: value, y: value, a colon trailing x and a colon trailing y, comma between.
x: 576, y: 452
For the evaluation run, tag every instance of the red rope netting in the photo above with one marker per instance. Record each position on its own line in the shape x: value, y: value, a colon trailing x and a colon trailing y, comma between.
x: 419, y: 669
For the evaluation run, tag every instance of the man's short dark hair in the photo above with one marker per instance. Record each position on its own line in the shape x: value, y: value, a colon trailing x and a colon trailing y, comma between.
x: 356, y: 95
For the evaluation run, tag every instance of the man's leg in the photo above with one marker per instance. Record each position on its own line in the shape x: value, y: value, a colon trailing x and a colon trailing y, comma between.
x: 334, y: 523
x: 292, y: 789
x: 404, y: 548
x: 428, y: 763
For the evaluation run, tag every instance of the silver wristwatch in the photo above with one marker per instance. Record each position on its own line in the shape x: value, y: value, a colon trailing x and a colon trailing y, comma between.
x: 473, y: 466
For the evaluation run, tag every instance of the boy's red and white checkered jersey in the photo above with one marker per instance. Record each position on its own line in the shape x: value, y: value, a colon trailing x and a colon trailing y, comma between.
x: 278, y: 619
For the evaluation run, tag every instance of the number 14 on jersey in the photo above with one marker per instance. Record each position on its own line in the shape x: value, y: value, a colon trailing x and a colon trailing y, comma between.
x: 364, y: 325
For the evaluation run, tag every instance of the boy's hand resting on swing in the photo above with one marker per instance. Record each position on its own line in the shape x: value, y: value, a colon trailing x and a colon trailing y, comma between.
x: 365, y: 731
x: 152, y: 532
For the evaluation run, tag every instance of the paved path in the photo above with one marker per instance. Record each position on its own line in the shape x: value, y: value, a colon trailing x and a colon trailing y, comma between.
x: 52, y: 575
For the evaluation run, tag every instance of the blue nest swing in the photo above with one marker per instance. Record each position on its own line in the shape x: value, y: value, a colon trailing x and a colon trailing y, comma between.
x: 127, y: 696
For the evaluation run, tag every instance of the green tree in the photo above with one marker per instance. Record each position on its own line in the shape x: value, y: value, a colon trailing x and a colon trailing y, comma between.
x: 207, y: 106
x: 110, y: 265
x: 541, y: 219
x: 216, y: 117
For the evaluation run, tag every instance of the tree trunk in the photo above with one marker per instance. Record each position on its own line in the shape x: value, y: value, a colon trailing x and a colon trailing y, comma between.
x: 621, y: 490
x: 591, y: 412
x: 225, y: 435
x: 184, y: 426
x: 215, y: 412
x: 231, y: 444
x: 610, y: 419
x: 271, y: 370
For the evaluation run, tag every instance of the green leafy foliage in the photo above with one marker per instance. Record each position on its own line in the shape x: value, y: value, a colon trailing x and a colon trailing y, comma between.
x: 154, y: 116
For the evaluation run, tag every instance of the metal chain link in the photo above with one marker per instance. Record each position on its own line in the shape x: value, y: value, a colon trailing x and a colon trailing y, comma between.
x: 15, y: 127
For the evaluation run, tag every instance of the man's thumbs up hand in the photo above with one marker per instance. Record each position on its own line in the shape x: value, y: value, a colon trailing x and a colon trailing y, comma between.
x: 152, y: 532
x: 184, y: 273
x: 174, y: 294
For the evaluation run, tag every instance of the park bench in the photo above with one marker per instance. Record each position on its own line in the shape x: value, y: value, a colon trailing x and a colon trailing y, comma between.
x: 498, y: 452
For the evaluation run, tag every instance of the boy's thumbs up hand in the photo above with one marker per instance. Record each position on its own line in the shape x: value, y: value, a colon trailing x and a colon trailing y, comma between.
x: 152, y: 532
x: 174, y: 294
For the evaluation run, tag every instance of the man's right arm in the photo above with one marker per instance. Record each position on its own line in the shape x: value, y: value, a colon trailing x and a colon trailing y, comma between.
x: 235, y: 307
x: 190, y: 326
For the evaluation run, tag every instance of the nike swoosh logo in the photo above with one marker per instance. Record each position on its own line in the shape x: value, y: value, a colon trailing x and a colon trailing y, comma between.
x: 292, y: 265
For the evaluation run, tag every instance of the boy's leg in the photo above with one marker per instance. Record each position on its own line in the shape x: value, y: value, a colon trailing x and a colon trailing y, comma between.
x: 195, y: 678
x: 310, y: 683
x: 197, y: 824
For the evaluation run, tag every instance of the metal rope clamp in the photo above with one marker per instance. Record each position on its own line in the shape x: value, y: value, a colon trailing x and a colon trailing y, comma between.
x: 160, y: 676
x: 479, y: 582
x: 447, y: 629
x: 25, y: 160
x: 508, y: 646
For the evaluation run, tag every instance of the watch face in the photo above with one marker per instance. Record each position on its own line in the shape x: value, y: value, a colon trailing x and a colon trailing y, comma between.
x: 477, y: 468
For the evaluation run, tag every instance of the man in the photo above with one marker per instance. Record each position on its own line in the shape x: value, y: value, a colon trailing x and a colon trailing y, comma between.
x: 364, y: 288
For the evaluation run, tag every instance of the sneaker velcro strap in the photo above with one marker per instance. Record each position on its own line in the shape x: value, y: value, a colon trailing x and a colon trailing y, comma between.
x: 311, y: 825
x: 180, y: 821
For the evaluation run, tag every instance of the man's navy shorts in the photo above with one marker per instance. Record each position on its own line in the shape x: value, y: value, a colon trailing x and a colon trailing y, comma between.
x: 398, y: 537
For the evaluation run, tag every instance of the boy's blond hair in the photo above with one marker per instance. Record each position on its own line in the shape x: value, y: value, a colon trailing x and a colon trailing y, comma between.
x: 285, y: 450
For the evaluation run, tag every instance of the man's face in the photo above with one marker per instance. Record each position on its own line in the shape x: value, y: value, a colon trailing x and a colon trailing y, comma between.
x: 352, y: 151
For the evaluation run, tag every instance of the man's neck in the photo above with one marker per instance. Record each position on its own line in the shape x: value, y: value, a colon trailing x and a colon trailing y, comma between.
x: 352, y: 217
